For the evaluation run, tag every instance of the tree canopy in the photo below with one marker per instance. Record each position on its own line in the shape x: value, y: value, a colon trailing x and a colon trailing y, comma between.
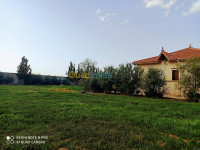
x: 190, y: 78
x: 24, y: 70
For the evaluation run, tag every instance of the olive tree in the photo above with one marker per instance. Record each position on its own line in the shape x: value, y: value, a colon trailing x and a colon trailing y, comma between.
x: 190, y: 78
x: 154, y: 83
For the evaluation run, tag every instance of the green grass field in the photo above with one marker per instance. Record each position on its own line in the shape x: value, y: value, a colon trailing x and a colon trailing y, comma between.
x: 73, y: 120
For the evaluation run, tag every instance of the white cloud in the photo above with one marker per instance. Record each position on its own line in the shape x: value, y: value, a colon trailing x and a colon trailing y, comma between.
x: 151, y: 3
x: 125, y: 21
x: 98, y: 11
x: 193, y: 9
x: 162, y: 3
x: 165, y: 4
x: 104, y: 17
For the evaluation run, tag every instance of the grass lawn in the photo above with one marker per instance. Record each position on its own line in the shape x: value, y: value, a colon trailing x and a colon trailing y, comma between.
x: 73, y: 120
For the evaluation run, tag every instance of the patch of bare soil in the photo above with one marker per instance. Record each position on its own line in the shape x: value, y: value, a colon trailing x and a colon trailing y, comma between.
x: 32, y: 91
x: 63, y: 148
x: 176, y: 137
x: 97, y: 93
x: 161, y: 143
x: 65, y: 90
x: 106, y: 94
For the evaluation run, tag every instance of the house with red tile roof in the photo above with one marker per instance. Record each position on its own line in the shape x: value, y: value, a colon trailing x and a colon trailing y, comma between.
x: 169, y: 63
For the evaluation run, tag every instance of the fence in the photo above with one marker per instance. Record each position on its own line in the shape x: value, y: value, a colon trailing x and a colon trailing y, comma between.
x: 16, y: 81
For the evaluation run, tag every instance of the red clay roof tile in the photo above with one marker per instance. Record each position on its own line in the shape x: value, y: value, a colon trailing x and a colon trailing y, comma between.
x: 173, y: 56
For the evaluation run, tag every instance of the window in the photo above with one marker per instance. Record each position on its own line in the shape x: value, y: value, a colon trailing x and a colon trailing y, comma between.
x: 175, y: 75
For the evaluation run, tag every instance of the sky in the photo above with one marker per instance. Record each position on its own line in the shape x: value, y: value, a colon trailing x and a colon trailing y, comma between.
x: 51, y: 33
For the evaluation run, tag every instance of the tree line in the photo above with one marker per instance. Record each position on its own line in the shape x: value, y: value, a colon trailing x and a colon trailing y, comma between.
x: 126, y: 78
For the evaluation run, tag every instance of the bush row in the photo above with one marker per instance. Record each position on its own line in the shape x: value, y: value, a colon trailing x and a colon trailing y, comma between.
x: 47, y: 80
x: 5, y: 79
x: 128, y: 80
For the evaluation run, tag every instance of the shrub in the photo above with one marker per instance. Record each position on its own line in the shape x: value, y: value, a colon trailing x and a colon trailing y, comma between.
x: 95, y: 85
x: 86, y: 84
x: 128, y: 78
x: 108, y: 84
x: 52, y: 81
x: 5, y: 79
x: 34, y: 80
x: 55, y: 81
x: 65, y: 82
x: 48, y: 81
x: 154, y: 84
x: 192, y: 97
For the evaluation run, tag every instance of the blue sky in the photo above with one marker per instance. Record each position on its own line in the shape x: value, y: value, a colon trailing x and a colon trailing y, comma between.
x: 51, y: 33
